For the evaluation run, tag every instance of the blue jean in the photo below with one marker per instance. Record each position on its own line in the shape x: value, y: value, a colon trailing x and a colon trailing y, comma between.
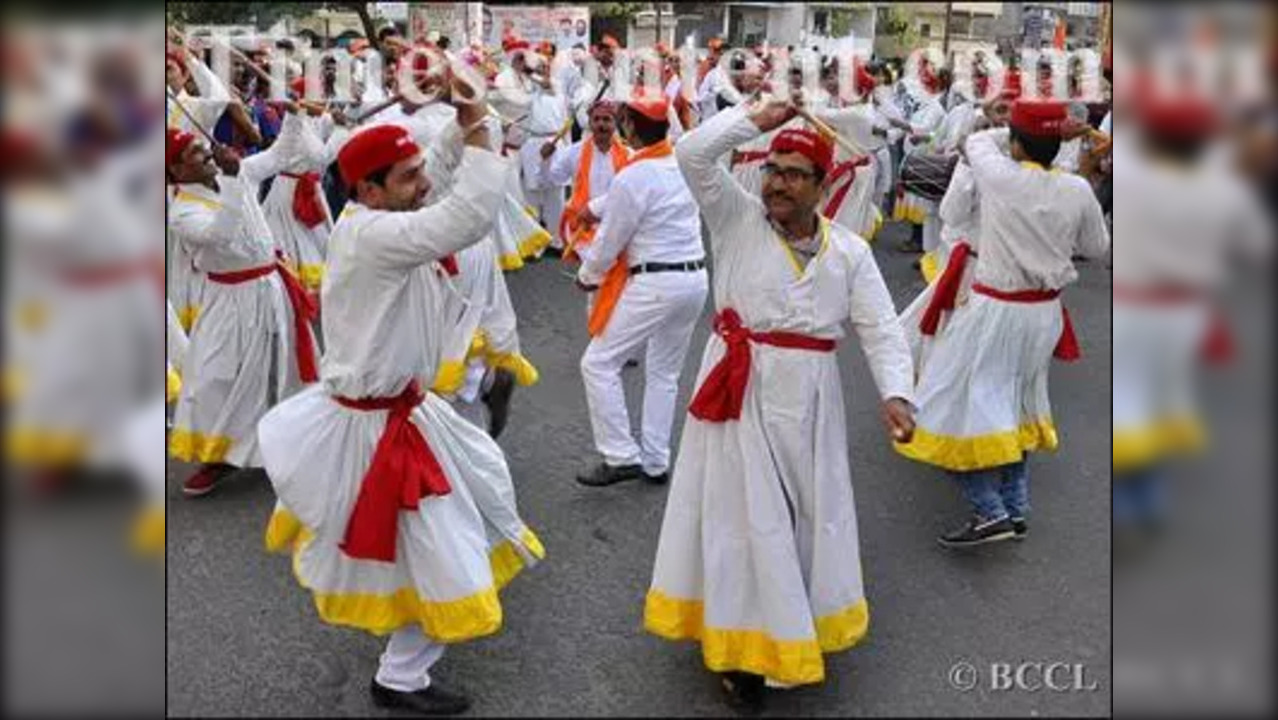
x: 1139, y: 496
x: 998, y: 492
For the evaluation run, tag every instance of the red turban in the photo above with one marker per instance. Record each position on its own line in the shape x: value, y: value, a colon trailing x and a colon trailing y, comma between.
x: 175, y: 57
x: 175, y: 141
x: 1040, y: 118
x: 808, y: 144
x: 373, y: 149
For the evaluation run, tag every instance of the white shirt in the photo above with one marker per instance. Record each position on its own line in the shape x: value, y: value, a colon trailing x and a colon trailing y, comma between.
x: 382, y: 294
x: 1182, y: 226
x: 708, y: 93
x: 649, y: 214
x: 563, y: 168
x: 1032, y: 220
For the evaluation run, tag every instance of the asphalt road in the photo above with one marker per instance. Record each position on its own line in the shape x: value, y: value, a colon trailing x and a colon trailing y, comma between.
x: 243, y: 639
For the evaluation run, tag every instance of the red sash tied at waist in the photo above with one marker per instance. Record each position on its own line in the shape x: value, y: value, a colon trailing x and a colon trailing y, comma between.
x: 308, y: 205
x: 304, y: 309
x: 722, y: 393
x: 1067, y: 347
x: 1218, y: 346
x: 403, y: 471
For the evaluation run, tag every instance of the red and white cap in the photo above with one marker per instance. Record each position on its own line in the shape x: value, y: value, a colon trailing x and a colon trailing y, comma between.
x: 175, y: 142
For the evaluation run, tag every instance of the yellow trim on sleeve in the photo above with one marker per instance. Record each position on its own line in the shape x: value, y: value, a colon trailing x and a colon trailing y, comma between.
x: 792, y: 662
x: 929, y: 266
x: 172, y: 385
x: 980, y: 451
x: 187, y: 315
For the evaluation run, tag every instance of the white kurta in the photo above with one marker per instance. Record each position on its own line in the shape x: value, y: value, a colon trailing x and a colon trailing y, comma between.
x: 758, y: 556
x: 383, y: 303
x: 186, y: 284
x: 982, y: 395
x: 1175, y: 231
x: 244, y: 332
x: 304, y: 246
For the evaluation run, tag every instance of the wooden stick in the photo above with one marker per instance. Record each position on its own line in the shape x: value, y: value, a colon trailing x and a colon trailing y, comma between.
x: 378, y: 107
x: 821, y: 127
x: 213, y: 142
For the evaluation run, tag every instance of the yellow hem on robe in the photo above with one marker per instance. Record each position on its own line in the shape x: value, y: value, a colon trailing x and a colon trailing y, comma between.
x: 792, y: 662
x: 510, y: 261
x: 980, y: 451
x: 15, y: 381
x: 193, y: 446
x: 172, y: 385
x: 450, y: 377
x: 914, y: 215
x: 311, y: 275
x: 148, y: 532
x: 187, y: 315
x: 40, y: 447
x: 32, y: 316
x: 525, y: 373
x: 443, y: 621
x: 478, y: 345
x: 534, y: 243
x: 1140, y: 446
x: 929, y: 267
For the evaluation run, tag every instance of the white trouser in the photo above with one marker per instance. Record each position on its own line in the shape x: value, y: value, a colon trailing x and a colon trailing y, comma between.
x: 549, y: 202
x: 659, y: 310
x: 406, y: 662
x: 467, y: 401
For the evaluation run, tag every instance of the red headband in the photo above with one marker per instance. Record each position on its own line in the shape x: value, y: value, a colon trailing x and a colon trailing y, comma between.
x: 808, y: 144
x: 373, y: 149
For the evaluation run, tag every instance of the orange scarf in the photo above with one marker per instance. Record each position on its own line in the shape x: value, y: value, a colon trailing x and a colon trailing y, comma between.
x: 570, y: 230
x: 615, y: 281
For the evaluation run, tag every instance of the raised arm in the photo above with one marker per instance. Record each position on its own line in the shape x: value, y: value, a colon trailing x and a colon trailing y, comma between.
x: 993, y: 169
x: 461, y: 218
x: 296, y: 145
x: 562, y: 165
x: 717, y: 193
x: 1093, y: 233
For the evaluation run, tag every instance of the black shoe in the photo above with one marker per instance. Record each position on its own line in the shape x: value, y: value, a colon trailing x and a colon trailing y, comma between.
x: 498, y: 400
x: 745, y: 690
x: 431, y: 701
x: 1020, y: 527
x: 658, y: 479
x: 631, y: 363
x: 553, y: 252
x: 604, y: 474
x: 979, y: 533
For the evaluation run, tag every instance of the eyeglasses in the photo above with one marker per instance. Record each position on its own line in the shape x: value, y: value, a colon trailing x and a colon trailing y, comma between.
x: 788, y: 174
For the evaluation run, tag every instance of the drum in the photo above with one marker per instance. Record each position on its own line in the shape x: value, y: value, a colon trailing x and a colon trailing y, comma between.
x: 928, y: 175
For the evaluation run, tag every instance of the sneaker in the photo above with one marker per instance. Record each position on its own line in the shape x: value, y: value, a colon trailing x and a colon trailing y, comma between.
x: 1020, y: 527
x: 434, y: 700
x: 604, y: 474
x: 978, y: 533
x: 206, y: 479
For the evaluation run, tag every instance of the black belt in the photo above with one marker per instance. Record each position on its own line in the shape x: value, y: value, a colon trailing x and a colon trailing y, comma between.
x: 654, y: 267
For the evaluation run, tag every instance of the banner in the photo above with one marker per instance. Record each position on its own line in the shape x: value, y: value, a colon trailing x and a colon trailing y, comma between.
x: 447, y: 19
x: 564, y: 26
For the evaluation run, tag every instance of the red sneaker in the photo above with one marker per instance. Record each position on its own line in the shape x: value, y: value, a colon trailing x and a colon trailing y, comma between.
x: 205, y: 479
